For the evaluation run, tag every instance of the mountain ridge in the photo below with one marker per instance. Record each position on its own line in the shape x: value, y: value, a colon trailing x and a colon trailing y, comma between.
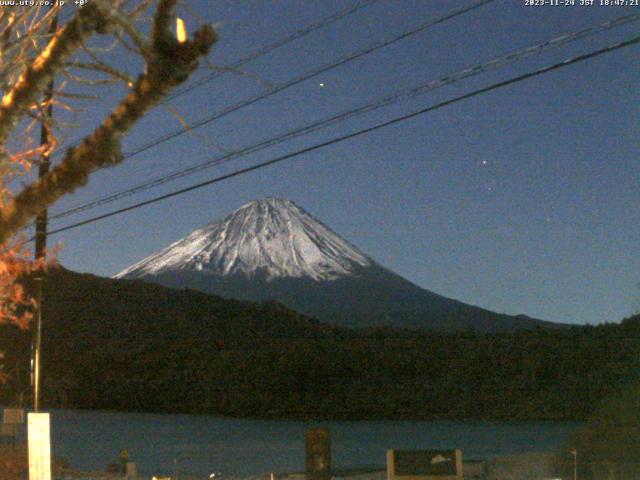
x: 272, y: 249
x: 129, y: 345
x: 274, y: 236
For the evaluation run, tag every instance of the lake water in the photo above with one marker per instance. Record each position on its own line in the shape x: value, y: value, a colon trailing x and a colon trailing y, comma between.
x: 199, y: 445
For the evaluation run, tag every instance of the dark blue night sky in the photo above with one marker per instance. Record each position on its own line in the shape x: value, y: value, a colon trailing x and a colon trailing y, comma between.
x: 522, y: 200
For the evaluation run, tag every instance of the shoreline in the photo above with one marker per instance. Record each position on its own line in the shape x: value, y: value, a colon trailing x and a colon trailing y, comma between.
x: 526, y: 466
x: 242, y: 448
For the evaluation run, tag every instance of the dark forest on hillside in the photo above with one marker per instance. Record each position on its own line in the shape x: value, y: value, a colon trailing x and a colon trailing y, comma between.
x: 128, y: 345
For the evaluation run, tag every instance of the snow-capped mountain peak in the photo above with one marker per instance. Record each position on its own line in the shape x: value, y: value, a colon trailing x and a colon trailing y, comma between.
x: 274, y: 237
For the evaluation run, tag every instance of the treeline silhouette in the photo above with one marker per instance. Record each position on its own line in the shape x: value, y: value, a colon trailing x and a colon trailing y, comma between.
x: 132, y: 346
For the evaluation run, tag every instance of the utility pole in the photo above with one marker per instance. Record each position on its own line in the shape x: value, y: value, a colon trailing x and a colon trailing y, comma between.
x: 46, y: 137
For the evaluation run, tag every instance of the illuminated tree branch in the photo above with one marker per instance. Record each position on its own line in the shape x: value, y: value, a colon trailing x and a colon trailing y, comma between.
x: 168, y: 61
x: 168, y: 64
x: 91, y: 18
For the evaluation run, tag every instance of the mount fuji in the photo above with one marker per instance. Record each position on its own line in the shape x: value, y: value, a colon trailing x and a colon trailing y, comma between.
x: 272, y: 249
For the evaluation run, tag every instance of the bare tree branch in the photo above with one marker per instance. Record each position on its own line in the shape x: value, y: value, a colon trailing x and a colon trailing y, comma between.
x: 90, y: 18
x: 169, y: 64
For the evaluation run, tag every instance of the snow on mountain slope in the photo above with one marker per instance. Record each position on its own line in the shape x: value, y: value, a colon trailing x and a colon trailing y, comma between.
x: 272, y: 236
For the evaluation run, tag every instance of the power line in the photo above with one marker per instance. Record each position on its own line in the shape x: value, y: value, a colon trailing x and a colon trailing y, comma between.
x: 274, y: 46
x: 307, y: 76
x: 266, y: 50
x: 483, y: 67
x: 361, y: 132
x: 304, y: 77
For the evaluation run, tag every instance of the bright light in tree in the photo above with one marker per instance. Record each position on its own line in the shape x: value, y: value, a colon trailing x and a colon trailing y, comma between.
x: 181, y: 31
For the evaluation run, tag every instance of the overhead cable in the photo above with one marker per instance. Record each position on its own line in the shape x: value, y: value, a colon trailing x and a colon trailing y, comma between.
x: 324, y: 22
x: 274, y: 46
x: 304, y: 77
x: 480, y: 68
x: 475, y: 93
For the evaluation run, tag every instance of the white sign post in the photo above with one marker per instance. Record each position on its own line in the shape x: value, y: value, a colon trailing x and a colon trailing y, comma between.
x: 39, y: 446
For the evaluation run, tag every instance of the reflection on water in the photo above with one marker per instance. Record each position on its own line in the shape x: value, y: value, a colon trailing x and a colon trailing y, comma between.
x: 195, y: 444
